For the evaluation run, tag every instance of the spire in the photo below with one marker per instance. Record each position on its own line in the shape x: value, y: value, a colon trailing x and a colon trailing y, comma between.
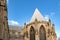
x: 37, y: 15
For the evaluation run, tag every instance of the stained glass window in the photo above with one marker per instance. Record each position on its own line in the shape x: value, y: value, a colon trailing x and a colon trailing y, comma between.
x: 32, y: 33
x: 42, y: 33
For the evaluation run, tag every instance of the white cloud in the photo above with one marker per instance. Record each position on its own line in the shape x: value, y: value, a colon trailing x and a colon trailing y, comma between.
x: 51, y: 15
x: 47, y: 17
x: 12, y: 22
x: 58, y: 34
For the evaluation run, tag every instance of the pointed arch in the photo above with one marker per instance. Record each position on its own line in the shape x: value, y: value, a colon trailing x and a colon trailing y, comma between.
x: 32, y: 33
x: 42, y: 33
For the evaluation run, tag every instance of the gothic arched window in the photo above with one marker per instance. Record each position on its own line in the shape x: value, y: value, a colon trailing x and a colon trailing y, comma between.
x: 32, y: 33
x: 42, y: 33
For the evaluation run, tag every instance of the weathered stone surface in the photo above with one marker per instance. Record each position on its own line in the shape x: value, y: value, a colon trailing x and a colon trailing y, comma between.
x: 3, y: 21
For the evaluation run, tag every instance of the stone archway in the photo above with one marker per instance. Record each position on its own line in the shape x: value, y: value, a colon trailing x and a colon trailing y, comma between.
x: 32, y: 33
x: 42, y: 33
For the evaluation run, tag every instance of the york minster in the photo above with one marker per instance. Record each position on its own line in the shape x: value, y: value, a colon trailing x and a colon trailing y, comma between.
x: 38, y: 27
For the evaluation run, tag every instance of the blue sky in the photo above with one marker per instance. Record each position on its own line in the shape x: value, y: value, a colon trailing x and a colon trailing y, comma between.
x: 21, y: 11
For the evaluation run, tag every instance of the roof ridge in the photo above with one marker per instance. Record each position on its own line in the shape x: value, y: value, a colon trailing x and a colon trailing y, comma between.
x: 37, y: 15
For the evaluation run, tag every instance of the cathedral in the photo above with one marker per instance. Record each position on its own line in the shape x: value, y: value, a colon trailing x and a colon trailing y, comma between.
x: 3, y: 21
x: 38, y: 27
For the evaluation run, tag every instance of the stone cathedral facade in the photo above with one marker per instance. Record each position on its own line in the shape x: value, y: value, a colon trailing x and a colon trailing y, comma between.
x: 39, y: 29
x: 3, y: 20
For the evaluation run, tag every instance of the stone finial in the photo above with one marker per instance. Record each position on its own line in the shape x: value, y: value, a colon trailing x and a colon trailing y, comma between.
x: 35, y: 19
x: 49, y: 20
x: 53, y: 25
x: 25, y: 23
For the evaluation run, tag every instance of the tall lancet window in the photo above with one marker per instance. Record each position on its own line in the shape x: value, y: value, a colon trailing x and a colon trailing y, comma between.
x: 32, y: 33
x: 42, y: 33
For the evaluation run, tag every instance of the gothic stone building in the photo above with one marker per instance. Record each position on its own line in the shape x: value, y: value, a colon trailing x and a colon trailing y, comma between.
x: 39, y: 29
x: 15, y: 32
x: 3, y: 21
